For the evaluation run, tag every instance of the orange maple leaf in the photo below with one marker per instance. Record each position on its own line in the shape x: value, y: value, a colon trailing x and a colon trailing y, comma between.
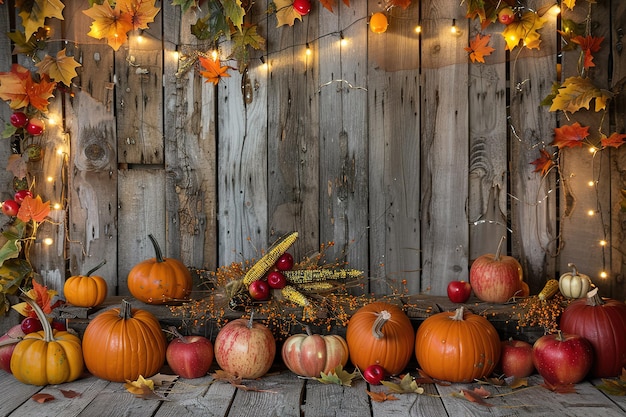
x: 19, y: 89
x: 479, y: 48
x: 543, y: 163
x: 589, y: 45
x: 615, y: 140
x: 214, y: 71
x: 570, y: 136
x: 42, y: 296
x: 112, y: 24
x: 142, y: 12
x: 33, y: 209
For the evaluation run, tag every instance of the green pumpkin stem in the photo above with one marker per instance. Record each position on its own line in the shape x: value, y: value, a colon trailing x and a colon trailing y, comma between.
x: 377, y: 328
x: 48, y: 334
x: 95, y: 268
x: 499, y: 250
x: 458, y: 314
x: 157, y: 249
x: 594, y: 299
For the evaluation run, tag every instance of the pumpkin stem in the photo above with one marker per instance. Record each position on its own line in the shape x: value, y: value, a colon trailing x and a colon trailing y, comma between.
x: 126, y: 311
x: 95, y: 268
x: 594, y: 299
x: 377, y: 328
x: 574, y: 269
x: 458, y: 314
x: 157, y: 249
x: 48, y: 335
x: 499, y: 250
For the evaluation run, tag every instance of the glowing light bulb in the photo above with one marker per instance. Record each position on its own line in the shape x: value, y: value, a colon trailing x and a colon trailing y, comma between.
x: 603, y: 242
x: 308, y: 50
x: 56, y: 206
x: 176, y: 55
x: 591, y: 183
x: 48, y: 241
x: 50, y: 179
x: 453, y: 29
x: 52, y: 120
x: 603, y: 274
x: 592, y: 149
x: 590, y: 212
x: 418, y: 29
x: 214, y: 55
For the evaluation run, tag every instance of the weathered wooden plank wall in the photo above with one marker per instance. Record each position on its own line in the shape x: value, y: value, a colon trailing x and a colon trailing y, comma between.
x: 411, y: 159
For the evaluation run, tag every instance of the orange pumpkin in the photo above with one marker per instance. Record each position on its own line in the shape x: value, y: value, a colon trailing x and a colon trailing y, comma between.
x: 380, y: 333
x: 86, y: 290
x: 122, y: 343
x: 457, y: 346
x: 159, y: 280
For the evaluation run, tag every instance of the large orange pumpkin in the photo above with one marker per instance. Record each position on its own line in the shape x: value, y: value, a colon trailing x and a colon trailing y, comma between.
x: 122, y: 343
x: 457, y: 346
x: 159, y: 280
x: 86, y: 290
x: 380, y: 333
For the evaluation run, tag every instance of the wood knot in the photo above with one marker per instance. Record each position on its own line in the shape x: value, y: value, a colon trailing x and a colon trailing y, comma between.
x: 94, y: 152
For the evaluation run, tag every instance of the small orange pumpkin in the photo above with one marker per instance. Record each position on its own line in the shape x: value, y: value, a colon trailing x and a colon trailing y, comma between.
x: 159, y: 280
x: 86, y: 290
x: 457, y: 346
x: 380, y: 333
x: 120, y: 344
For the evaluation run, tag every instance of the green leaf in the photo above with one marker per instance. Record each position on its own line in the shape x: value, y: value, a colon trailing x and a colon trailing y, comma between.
x: 213, y: 24
x: 21, y: 45
x: 407, y: 385
x: 338, y: 377
x: 613, y: 387
x: 241, y: 40
x: 12, y: 274
x: 234, y: 12
x: 185, y: 4
x: 9, y: 130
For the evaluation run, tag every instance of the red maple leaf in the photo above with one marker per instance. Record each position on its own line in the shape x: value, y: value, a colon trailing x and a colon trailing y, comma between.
x: 589, y: 45
x: 615, y: 140
x: 570, y: 136
x: 543, y: 163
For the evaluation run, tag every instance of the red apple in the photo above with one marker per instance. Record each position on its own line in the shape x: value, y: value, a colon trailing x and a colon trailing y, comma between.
x: 516, y: 358
x: 276, y: 280
x: 562, y: 359
x: 10, y: 207
x: 496, y: 278
x: 459, y: 291
x: 190, y: 356
x: 374, y: 374
x: 19, y: 119
x: 506, y: 16
x: 302, y: 7
x: 285, y: 262
x: 259, y: 290
x: 245, y: 348
x: 31, y: 325
x: 15, y: 333
x: 35, y: 126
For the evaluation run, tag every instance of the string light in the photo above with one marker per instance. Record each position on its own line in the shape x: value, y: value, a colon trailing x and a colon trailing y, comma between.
x: 308, y: 49
x: 590, y: 213
x: 603, y: 274
x: 48, y: 241
x: 418, y: 29
x: 454, y: 29
x: 214, y: 54
x: 343, y: 40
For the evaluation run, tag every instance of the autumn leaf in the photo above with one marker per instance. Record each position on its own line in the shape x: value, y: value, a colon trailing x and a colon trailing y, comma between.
x: 68, y: 393
x: 20, y: 90
x: 42, y: 296
x: 543, y: 163
x: 21, y: 45
x: 248, y: 37
x: 234, y: 11
x: 589, y: 45
x: 403, y: 4
x: 380, y: 397
x: 110, y: 24
x: 214, y: 72
x: 141, y: 388
x: 34, y: 14
x: 515, y: 382
x: 570, y: 3
x: 17, y: 165
x: 185, y: 4
x: 285, y: 13
x: 33, y: 208
x: 141, y: 12
x: 570, y: 136
x: 576, y: 93
x: 61, y: 69
x: 524, y: 30
x: 615, y: 387
x: 42, y: 398
x: 338, y: 376
x: 477, y: 396
x: 615, y: 140
x: 407, y: 384
x: 479, y: 48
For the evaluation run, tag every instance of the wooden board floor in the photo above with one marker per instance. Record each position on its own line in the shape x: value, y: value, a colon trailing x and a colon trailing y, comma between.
x: 283, y: 394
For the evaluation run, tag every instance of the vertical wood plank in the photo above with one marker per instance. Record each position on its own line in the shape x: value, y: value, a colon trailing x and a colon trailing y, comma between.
x: 445, y: 142
x: 343, y: 133
x: 394, y: 152
x: 293, y: 145
x: 533, y: 205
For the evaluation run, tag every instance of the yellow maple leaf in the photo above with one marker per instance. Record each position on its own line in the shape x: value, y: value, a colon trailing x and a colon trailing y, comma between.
x: 524, y: 30
x: 479, y: 48
x: 110, y: 24
x: 214, y: 71
x: 142, y: 12
x: 35, y: 13
x: 285, y: 13
x: 61, y: 69
x: 576, y: 93
x: 570, y: 3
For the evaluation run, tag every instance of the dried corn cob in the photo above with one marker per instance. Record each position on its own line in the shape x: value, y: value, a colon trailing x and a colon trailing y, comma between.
x: 317, y: 286
x: 548, y: 291
x: 303, y: 276
x: 295, y: 296
x: 269, y: 259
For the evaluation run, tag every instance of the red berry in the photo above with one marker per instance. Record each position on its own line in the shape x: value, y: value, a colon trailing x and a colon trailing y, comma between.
x: 21, y: 195
x: 285, y: 262
x: 31, y: 325
x: 506, y: 16
x: 19, y: 119
x: 10, y: 208
x: 302, y: 7
x: 35, y: 127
